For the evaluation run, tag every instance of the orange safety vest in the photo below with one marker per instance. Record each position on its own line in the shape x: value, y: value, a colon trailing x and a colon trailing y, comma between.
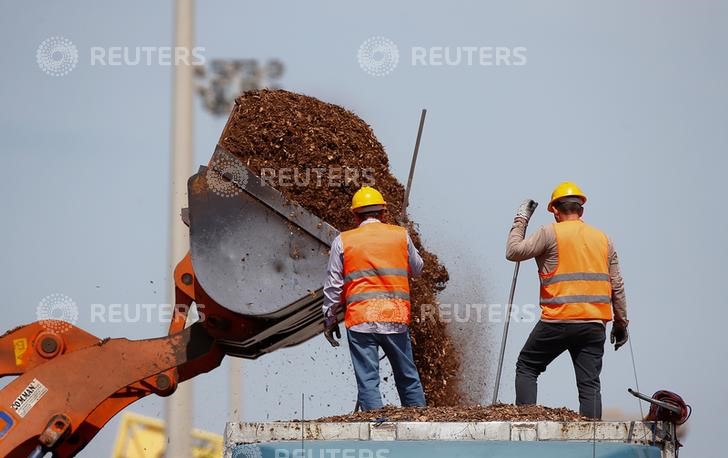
x: 376, y: 268
x: 580, y: 287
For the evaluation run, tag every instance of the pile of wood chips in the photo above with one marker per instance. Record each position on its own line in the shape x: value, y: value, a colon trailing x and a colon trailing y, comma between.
x: 318, y: 154
x: 497, y: 412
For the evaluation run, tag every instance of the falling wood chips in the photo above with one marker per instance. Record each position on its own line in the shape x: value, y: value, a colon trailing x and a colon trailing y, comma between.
x: 283, y: 131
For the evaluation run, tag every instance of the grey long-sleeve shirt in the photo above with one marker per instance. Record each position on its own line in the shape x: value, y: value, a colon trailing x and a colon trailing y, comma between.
x: 542, y: 246
x: 334, y: 284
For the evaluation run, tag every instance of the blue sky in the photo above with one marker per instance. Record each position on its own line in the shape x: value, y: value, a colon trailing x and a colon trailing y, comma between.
x: 629, y: 99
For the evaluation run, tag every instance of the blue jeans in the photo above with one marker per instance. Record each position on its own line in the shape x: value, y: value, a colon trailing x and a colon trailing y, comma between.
x: 364, y: 348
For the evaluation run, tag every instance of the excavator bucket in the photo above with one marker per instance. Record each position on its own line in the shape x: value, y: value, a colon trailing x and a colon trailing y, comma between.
x: 257, y: 254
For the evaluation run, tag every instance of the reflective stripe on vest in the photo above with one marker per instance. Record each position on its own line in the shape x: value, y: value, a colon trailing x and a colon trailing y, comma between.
x: 580, y: 287
x: 376, y: 268
x: 588, y: 276
x: 375, y: 272
x: 377, y: 295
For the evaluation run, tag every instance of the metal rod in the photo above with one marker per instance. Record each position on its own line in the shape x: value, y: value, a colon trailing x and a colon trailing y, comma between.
x: 637, y: 384
x: 657, y: 402
x: 405, y: 204
x: 303, y: 425
x: 505, y: 333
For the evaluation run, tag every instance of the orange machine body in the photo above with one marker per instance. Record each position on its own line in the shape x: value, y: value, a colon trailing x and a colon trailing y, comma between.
x: 84, y: 381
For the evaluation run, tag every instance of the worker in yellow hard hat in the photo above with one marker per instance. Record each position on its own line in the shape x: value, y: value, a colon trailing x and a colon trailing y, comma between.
x: 368, y: 274
x: 367, y: 199
x: 581, y: 291
x: 566, y: 190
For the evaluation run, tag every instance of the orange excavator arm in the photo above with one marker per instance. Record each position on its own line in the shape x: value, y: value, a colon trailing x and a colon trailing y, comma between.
x: 253, y: 272
x: 70, y: 384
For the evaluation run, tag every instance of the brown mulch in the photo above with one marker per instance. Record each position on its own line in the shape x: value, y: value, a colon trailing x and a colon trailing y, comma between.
x: 497, y: 412
x: 290, y: 132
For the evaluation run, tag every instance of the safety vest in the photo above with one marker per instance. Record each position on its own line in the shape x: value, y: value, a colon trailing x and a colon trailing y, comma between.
x: 580, y: 287
x: 376, y: 268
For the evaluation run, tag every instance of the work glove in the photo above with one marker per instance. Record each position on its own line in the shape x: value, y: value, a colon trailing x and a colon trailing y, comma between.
x: 526, y: 209
x: 330, y: 331
x: 619, y: 335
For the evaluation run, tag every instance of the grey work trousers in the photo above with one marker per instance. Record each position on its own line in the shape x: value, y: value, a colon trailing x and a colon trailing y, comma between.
x: 585, y: 343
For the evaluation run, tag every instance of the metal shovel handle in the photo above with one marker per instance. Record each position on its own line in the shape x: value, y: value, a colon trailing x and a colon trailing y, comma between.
x: 532, y: 204
x: 505, y: 333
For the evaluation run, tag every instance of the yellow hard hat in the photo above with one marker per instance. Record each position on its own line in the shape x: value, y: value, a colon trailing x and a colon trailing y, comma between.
x: 566, y: 189
x: 367, y: 197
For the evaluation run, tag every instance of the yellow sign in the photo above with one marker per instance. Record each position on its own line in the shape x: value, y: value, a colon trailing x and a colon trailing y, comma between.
x: 143, y: 437
x: 20, y: 346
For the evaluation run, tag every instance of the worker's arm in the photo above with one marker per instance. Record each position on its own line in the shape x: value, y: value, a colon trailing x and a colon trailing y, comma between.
x: 334, y: 282
x: 415, y: 260
x: 619, y: 299
x: 520, y: 249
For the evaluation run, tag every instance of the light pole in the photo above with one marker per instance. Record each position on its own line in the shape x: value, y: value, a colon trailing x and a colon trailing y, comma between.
x: 178, y: 409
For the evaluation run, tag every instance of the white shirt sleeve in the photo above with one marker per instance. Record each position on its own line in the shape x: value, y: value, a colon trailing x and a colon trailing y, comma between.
x: 334, y: 282
x: 415, y: 260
